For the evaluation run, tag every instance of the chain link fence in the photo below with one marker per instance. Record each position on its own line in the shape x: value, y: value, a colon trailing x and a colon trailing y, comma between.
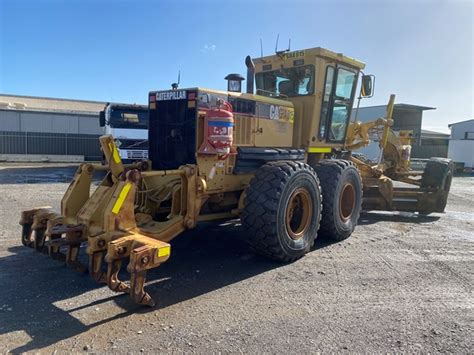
x: 50, y: 144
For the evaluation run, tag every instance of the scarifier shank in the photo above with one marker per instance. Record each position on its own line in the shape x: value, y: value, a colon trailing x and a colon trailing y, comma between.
x: 106, y: 220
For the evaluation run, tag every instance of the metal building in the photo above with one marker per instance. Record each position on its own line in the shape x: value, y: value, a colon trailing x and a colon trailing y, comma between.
x: 426, y: 144
x: 433, y: 144
x: 461, y: 143
x: 40, y: 128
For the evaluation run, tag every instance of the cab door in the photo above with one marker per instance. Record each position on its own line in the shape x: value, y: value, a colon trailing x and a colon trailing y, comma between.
x: 339, y: 89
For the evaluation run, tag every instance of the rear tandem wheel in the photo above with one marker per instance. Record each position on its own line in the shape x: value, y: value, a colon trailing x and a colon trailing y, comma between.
x: 341, y: 186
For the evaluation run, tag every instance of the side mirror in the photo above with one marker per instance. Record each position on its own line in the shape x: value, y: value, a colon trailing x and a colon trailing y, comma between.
x: 367, y: 87
x: 102, y: 118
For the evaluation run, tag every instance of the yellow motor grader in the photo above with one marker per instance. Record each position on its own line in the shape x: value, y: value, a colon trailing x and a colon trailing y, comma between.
x: 279, y: 159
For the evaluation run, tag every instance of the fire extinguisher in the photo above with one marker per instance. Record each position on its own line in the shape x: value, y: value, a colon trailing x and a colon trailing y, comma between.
x: 218, y: 130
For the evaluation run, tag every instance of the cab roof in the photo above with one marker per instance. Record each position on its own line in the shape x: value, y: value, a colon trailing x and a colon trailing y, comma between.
x: 311, y: 52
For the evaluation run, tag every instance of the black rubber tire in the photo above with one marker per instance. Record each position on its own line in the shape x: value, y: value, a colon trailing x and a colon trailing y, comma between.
x: 265, y: 204
x: 26, y: 235
x: 39, y: 238
x: 334, y: 175
x: 438, y: 174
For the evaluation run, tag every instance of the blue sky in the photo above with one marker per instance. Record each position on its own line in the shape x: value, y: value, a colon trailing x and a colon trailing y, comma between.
x: 119, y: 50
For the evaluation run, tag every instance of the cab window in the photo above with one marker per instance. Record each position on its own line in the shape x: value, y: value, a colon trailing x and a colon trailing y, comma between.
x: 325, y: 107
x: 342, y: 104
x: 286, y: 82
x: 128, y: 118
x: 337, y: 103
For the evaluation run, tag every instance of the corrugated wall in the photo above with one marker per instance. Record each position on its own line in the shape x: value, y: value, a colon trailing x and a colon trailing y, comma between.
x: 34, y: 132
x: 426, y: 150
x: 49, y: 122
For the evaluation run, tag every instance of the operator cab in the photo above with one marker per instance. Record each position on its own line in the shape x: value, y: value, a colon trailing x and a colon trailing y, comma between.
x: 321, y: 84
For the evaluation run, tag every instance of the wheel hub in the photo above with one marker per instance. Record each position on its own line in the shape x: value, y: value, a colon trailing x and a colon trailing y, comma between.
x: 298, y: 213
x: 347, y: 202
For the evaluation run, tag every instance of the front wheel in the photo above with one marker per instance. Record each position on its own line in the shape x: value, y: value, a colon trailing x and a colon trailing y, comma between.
x: 282, y: 210
x: 438, y: 175
x: 26, y: 232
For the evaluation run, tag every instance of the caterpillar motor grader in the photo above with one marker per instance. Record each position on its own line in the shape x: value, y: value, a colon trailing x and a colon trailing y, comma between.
x: 279, y: 159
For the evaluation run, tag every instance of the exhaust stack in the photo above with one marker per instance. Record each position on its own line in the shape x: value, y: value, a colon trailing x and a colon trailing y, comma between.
x: 250, y: 74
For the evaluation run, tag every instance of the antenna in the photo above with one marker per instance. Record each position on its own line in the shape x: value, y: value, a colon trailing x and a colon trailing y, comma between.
x: 281, y: 53
x: 261, y: 48
x: 175, y: 86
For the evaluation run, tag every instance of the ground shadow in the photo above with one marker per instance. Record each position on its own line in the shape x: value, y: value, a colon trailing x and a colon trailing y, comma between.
x: 405, y: 217
x: 210, y: 258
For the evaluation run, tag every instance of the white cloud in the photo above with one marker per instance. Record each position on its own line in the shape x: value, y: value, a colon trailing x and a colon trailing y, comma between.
x: 208, y: 48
